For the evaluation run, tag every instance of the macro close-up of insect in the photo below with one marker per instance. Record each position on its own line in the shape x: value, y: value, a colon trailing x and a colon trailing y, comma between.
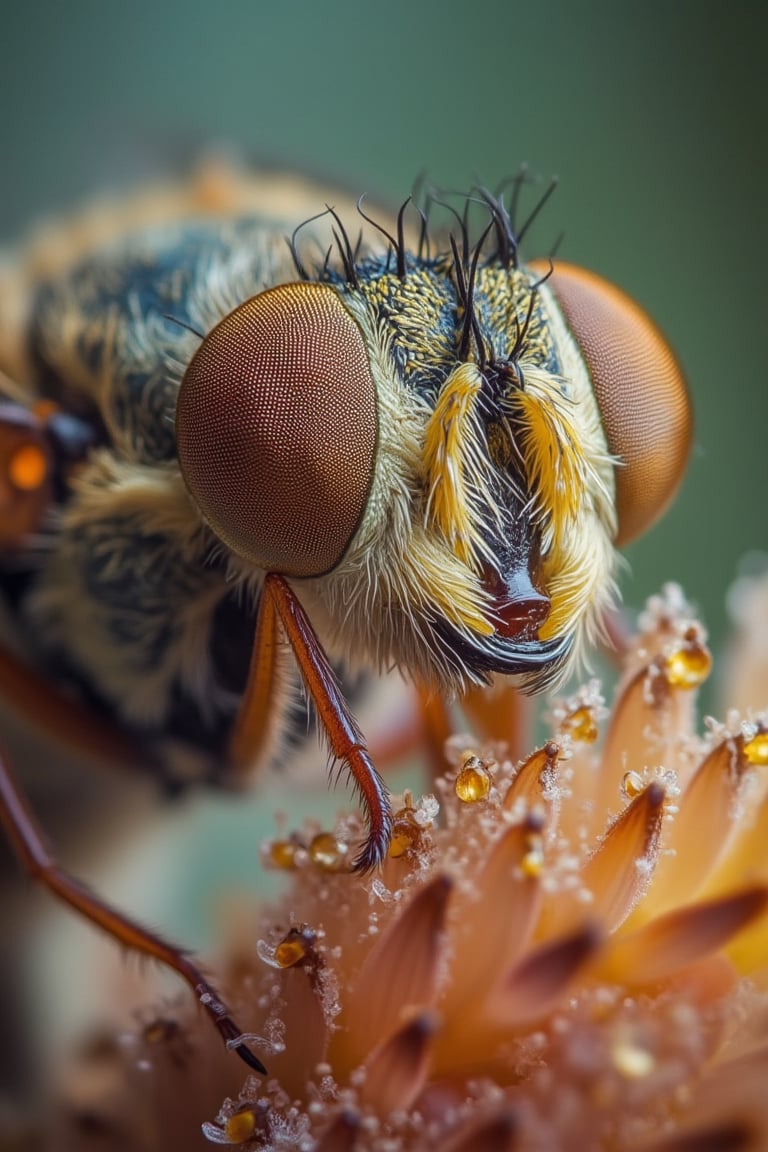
x: 255, y: 434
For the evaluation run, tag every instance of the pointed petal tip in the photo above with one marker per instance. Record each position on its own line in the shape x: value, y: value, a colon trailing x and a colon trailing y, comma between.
x: 395, y: 1072
x: 496, y: 1134
x: 688, y: 934
x: 538, y: 981
x: 613, y: 873
x: 341, y: 1136
x: 736, y: 1136
x: 400, y: 973
x: 655, y: 794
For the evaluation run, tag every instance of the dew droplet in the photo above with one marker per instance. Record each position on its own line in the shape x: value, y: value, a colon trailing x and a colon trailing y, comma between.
x: 631, y: 785
x: 327, y: 852
x: 473, y: 783
x: 756, y: 749
x: 282, y: 854
x: 688, y: 666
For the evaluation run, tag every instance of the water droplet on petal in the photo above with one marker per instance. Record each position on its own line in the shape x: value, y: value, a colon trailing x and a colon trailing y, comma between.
x: 473, y: 783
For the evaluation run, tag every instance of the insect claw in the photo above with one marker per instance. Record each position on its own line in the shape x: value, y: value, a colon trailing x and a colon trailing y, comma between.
x: 228, y: 1030
x: 250, y: 1059
x: 374, y: 850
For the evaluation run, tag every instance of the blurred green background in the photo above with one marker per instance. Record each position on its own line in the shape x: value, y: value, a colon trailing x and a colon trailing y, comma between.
x: 653, y: 116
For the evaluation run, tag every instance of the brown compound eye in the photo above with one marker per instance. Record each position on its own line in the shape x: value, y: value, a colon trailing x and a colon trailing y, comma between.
x: 640, y: 390
x: 276, y: 428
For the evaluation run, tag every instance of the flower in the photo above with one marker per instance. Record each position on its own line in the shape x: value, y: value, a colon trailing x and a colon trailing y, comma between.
x: 570, y: 952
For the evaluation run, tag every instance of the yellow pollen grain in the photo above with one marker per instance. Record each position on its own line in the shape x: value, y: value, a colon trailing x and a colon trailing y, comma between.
x: 631, y: 1061
x: 404, y: 836
x: 405, y: 830
x: 756, y: 749
x: 582, y: 726
x: 327, y: 852
x: 473, y: 783
x: 688, y: 666
x: 292, y: 949
x: 241, y: 1126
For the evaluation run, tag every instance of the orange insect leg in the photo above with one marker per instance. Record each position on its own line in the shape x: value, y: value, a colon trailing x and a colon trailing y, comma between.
x: 28, y: 841
x: 279, y: 605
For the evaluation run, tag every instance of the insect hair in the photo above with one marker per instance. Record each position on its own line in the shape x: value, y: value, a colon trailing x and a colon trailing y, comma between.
x: 466, y: 288
x: 293, y: 246
x: 465, y: 256
x: 183, y: 324
x: 521, y: 332
x: 397, y: 245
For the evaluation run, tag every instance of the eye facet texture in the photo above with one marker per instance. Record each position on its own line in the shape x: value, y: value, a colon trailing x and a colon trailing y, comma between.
x: 276, y: 427
x: 640, y: 390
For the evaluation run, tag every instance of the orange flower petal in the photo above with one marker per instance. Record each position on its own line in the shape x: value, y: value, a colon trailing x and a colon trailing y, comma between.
x: 539, y: 980
x: 342, y: 1134
x: 532, y: 787
x: 737, y: 1136
x: 650, y: 725
x: 304, y: 1024
x: 494, y: 1135
x: 493, y: 926
x: 729, y: 1106
x: 396, y: 1071
x: 400, y: 971
x: 619, y: 871
x: 746, y: 859
x: 668, y: 944
x: 701, y: 830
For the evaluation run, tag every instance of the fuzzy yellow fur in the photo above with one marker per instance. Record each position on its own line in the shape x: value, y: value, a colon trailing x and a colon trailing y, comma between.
x: 456, y: 463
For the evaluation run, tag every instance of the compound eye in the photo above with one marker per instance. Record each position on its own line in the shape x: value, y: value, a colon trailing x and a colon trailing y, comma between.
x: 276, y: 428
x: 639, y: 388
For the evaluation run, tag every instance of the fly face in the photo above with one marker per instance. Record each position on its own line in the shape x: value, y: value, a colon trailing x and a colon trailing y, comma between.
x: 443, y: 450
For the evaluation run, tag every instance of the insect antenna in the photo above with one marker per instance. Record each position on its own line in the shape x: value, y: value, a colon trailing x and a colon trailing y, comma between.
x: 183, y: 324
